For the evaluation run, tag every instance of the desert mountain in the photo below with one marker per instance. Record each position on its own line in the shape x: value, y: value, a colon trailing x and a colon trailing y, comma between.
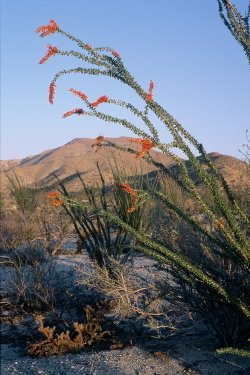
x: 236, y: 172
x: 75, y: 156
x: 79, y: 156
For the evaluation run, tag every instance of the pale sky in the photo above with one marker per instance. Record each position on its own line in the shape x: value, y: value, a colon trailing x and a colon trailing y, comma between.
x: 200, y: 71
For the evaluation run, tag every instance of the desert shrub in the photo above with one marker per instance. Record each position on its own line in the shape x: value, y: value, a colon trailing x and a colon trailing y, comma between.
x: 218, y: 278
x: 170, y: 231
x: 32, y: 279
x: 132, y: 296
x: 45, y: 225
x: 28, y: 255
x: 26, y: 198
x: 16, y: 229
x: 102, y: 239
x: 54, y: 225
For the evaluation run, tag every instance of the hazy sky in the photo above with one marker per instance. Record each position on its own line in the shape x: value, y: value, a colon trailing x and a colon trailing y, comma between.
x: 200, y: 71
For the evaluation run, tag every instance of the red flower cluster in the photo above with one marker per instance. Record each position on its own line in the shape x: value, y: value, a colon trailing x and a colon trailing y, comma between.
x: 101, y: 99
x: 149, y: 95
x: 220, y: 223
x: 147, y: 144
x: 126, y: 187
x: 98, y: 141
x: 52, y: 50
x: 55, y: 199
x: 79, y: 93
x: 132, y: 208
x: 77, y: 111
x: 229, y: 5
x: 116, y: 54
x: 49, y: 29
x: 52, y: 88
x: 53, y: 194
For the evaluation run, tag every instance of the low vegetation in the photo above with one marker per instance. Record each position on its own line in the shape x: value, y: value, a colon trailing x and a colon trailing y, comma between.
x: 83, y: 335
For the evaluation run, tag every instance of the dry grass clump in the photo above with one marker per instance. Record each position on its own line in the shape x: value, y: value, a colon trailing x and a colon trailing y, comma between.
x: 130, y: 296
x: 81, y: 336
x: 17, y: 229
x: 27, y: 217
x: 45, y: 225
x: 32, y: 280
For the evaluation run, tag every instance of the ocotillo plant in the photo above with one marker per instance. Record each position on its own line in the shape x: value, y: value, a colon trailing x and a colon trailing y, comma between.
x: 236, y: 24
x: 101, y: 238
x: 224, y: 280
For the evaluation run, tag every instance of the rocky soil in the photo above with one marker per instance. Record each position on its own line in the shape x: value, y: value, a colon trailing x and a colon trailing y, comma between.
x: 190, y: 349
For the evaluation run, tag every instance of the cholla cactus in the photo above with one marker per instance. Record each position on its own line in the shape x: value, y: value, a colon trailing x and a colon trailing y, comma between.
x: 82, y: 335
x: 228, y: 242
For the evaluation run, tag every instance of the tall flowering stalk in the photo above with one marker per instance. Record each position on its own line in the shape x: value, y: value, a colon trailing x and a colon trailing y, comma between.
x: 52, y: 50
x: 146, y: 144
x: 149, y: 95
x: 52, y: 89
x: 229, y: 241
x: 49, y: 29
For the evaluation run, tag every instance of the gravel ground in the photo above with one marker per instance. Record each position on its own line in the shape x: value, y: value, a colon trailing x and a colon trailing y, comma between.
x: 130, y: 361
x: 190, y: 351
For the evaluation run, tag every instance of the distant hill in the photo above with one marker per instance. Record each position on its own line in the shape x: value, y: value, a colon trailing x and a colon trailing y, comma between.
x: 235, y: 171
x: 78, y: 156
x: 75, y: 156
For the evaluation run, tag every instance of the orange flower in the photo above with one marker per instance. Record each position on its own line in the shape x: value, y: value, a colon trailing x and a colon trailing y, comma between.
x: 52, y: 88
x: 53, y: 194
x: 132, y: 208
x: 51, y: 52
x: 57, y: 202
x: 147, y: 144
x: 229, y: 5
x: 149, y: 95
x: 101, y: 99
x: 126, y: 187
x: 116, y: 54
x: 220, y: 223
x: 79, y: 93
x: 77, y: 111
x: 98, y: 141
x: 55, y: 199
x: 88, y: 46
x: 49, y: 29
